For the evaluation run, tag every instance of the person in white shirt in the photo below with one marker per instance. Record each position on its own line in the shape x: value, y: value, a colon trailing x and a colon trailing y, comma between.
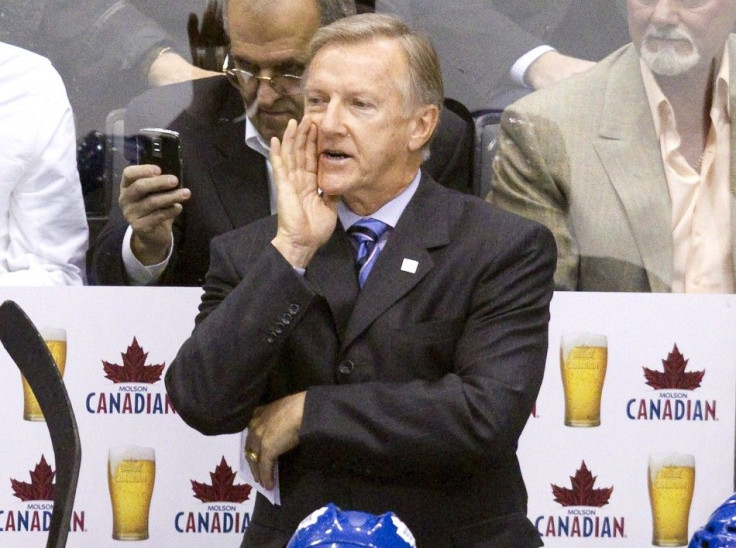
x: 43, y: 227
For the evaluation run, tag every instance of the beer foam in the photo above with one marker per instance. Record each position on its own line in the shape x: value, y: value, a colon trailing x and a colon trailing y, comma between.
x: 657, y: 461
x: 571, y: 340
x: 116, y: 455
x: 52, y: 333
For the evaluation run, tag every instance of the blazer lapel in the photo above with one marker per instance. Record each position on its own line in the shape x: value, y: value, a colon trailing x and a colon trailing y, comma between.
x: 628, y: 148
x: 332, y: 273
x: 422, y: 226
x: 238, y: 173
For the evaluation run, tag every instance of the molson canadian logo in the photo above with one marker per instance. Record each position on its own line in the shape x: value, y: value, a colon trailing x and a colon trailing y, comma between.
x: 675, y: 399
x: 133, y: 379
x: 581, y: 517
x: 38, y: 503
x: 222, y: 497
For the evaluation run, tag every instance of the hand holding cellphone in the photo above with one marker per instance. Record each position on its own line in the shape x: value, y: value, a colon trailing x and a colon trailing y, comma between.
x: 160, y: 147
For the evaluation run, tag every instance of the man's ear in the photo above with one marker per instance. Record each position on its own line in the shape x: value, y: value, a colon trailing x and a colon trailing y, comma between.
x: 424, y: 121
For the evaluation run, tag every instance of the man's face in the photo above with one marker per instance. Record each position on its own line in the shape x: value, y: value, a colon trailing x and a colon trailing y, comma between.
x: 267, y: 39
x: 675, y: 36
x: 367, y: 136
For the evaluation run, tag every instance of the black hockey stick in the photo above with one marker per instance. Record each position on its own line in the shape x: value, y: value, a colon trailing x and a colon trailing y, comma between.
x: 28, y: 350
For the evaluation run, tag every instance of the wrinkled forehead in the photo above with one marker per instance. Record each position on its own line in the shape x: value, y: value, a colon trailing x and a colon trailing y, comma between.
x: 372, y: 62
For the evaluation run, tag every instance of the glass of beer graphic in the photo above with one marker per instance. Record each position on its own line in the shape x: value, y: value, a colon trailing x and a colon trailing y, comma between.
x: 131, y: 471
x: 671, y: 483
x: 583, y: 361
x: 55, y: 339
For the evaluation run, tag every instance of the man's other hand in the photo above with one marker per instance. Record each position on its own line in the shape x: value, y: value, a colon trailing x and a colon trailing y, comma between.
x: 150, y: 202
x: 273, y: 430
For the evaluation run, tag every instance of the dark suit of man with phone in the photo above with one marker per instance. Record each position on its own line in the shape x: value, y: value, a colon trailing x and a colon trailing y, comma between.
x: 382, y: 337
x: 161, y: 234
x: 164, y: 238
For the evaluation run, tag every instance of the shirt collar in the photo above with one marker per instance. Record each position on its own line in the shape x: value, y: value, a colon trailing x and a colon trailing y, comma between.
x: 389, y: 213
x: 253, y: 139
x: 660, y: 106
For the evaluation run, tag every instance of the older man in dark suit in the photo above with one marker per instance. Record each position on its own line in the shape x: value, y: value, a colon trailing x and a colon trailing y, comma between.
x: 382, y: 337
x: 160, y: 235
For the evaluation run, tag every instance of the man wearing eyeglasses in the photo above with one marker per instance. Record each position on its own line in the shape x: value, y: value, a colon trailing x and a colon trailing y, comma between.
x: 160, y: 234
x: 632, y: 163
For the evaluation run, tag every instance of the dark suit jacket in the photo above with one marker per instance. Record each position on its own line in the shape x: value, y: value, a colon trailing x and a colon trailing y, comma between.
x: 478, y: 40
x: 418, y: 387
x: 228, y: 180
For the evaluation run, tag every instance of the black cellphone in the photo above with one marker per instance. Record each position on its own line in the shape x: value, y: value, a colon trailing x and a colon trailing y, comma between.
x: 160, y: 147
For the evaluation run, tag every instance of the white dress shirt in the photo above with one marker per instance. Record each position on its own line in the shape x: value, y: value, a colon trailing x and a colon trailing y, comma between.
x: 43, y: 226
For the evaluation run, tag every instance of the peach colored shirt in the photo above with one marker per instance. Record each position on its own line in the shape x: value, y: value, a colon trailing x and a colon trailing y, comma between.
x: 701, y: 201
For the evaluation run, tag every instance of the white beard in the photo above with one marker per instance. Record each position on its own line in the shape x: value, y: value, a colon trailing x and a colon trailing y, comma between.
x: 666, y: 61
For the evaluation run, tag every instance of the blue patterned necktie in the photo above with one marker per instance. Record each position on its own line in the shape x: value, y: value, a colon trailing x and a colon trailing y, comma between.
x: 365, y: 233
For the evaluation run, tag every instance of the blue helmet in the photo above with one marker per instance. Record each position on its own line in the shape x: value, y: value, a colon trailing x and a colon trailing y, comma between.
x: 720, y: 531
x: 330, y: 527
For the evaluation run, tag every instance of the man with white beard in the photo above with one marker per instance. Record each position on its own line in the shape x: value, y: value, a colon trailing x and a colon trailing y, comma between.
x: 631, y: 163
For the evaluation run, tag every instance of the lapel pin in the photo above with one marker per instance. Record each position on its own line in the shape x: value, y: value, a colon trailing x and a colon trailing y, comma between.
x: 410, y: 266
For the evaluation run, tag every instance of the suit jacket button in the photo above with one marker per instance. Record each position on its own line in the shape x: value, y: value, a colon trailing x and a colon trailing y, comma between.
x: 294, y: 308
x: 278, y: 328
x: 346, y: 367
x: 286, y: 319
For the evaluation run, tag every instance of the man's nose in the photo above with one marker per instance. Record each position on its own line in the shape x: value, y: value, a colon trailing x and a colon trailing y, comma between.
x: 666, y: 12
x: 265, y: 94
x: 330, y: 120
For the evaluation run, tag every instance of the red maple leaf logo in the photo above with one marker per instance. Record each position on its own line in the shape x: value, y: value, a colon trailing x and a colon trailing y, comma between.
x: 222, y: 488
x: 674, y: 375
x: 41, y: 486
x: 134, y: 368
x: 582, y: 492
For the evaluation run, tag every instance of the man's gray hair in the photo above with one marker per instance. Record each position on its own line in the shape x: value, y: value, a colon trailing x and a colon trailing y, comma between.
x: 424, y: 75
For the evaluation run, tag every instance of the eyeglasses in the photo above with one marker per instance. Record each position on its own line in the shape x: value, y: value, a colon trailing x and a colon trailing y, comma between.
x: 246, y: 81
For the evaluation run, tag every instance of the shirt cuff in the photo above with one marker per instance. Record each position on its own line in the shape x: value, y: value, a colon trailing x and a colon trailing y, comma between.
x: 522, y: 64
x: 140, y: 274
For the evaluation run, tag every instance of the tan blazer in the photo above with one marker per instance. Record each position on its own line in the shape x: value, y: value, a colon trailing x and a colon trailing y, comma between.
x: 584, y: 159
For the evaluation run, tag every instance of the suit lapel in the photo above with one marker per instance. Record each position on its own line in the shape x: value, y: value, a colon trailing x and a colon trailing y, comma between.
x: 422, y: 226
x: 332, y: 273
x: 628, y: 148
x: 238, y: 173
